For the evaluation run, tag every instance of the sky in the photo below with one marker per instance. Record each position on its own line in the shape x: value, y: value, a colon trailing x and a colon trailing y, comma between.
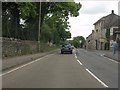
x: 90, y: 12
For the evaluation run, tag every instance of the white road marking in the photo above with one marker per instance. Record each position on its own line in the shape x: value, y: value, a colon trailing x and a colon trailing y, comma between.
x: 97, y: 78
x: 79, y: 62
x: 75, y: 56
x: 102, y: 54
x: 111, y: 60
x: 24, y: 65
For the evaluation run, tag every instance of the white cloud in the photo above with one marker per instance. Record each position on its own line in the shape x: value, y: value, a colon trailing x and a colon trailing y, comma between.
x: 90, y: 12
x: 98, y: 7
x: 90, y: 7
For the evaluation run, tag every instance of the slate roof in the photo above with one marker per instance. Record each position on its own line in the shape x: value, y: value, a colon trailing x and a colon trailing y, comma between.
x: 110, y: 20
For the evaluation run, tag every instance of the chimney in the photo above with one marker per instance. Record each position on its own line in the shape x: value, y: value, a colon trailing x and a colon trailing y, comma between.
x: 112, y: 11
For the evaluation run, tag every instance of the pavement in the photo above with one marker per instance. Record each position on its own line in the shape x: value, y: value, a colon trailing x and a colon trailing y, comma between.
x: 19, y: 60
x: 108, y: 54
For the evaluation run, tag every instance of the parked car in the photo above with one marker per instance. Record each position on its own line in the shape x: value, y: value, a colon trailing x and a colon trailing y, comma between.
x: 66, y: 49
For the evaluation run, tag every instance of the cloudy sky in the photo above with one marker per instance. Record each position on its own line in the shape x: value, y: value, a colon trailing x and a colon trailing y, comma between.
x: 90, y: 12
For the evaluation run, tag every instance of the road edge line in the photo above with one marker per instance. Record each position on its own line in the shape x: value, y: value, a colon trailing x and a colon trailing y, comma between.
x: 111, y: 59
x: 75, y: 56
x: 79, y: 62
x: 97, y: 78
x: 24, y: 65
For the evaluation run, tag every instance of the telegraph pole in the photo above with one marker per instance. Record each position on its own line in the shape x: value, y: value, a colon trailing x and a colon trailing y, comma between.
x: 39, y: 27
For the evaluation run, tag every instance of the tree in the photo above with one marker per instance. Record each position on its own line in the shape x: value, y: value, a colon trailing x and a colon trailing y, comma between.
x: 57, y: 27
x: 10, y: 19
x: 76, y: 41
x: 54, y: 20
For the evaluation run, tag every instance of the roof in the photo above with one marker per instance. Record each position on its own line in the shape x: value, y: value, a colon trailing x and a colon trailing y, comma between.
x: 109, y: 20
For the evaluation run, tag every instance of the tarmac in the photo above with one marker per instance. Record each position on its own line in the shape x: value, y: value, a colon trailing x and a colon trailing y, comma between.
x: 19, y: 60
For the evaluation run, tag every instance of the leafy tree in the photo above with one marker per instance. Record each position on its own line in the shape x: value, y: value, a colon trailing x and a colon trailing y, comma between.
x: 57, y: 29
x: 46, y: 33
x: 53, y: 16
x: 10, y: 19
x: 76, y: 41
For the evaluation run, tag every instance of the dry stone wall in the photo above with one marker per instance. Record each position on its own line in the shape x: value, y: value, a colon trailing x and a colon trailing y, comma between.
x: 14, y: 47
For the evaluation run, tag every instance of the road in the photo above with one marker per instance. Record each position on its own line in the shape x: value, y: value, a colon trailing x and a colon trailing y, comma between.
x: 82, y: 69
x: 104, y: 68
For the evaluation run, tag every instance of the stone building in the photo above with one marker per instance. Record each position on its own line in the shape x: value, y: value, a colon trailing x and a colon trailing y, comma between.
x: 90, y: 41
x: 117, y: 33
x: 107, y: 24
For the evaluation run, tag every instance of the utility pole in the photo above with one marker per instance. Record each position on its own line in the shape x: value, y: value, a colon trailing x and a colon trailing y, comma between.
x: 39, y: 27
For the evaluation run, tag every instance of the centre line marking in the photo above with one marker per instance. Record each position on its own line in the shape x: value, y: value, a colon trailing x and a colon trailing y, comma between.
x: 97, y: 78
x: 24, y: 65
x: 79, y: 62
x: 75, y: 56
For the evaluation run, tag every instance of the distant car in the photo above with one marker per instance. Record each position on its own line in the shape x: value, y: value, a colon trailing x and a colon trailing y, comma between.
x: 66, y: 49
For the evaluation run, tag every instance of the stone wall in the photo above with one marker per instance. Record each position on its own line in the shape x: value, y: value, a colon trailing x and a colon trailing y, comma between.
x: 14, y: 47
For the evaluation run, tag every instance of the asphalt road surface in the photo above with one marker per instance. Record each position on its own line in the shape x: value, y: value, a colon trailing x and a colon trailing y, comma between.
x: 82, y: 69
x: 104, y: 68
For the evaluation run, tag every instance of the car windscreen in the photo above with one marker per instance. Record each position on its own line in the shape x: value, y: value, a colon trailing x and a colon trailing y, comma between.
x: 67, y: 46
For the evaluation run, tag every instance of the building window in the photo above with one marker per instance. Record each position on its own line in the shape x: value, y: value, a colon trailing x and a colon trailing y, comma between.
x: 88, y: 41
x: 97, y: 30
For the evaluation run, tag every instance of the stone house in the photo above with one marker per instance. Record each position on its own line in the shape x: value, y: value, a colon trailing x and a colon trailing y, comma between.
x: 117, y: 33
x: 107, y: 24
x: 90, y: 41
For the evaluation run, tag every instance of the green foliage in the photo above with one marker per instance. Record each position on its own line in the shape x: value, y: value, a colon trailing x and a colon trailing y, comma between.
x: 10, y: 19
x: 108, y: 34
x: 56, y: 27
x: 46, y: 33
x: 76, y: 41
x: 67, y: 8
x: 54, y: 20
x: 107, y: 44
x: 27, y: 9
